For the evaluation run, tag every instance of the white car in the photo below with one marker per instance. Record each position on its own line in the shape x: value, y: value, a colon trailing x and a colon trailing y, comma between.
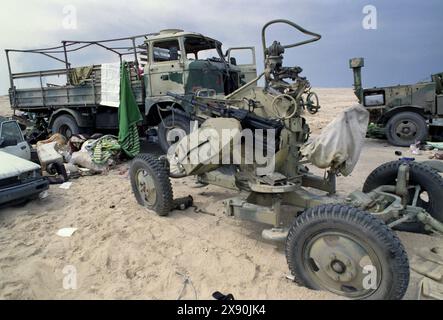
x: 20, y: 179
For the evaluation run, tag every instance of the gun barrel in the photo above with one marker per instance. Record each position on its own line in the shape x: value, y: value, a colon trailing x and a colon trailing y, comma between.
x: 247, y: 118
x: 175, y: 95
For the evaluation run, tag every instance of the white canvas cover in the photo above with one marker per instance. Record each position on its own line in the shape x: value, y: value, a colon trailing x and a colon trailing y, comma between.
x: 202, y: 150
x: 110, y: 84
x: 340, y: 142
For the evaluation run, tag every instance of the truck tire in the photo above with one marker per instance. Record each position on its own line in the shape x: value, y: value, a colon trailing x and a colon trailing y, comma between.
x: 172, y: 121
x: 65, y: 125
x: 431, y: 183
x: 151, y: 184
x: 348, y: 252
x: 406, y: 128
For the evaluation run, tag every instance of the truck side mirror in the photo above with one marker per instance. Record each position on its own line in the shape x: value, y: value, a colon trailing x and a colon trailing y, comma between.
x: 233, y: 61
x: 7, y: 142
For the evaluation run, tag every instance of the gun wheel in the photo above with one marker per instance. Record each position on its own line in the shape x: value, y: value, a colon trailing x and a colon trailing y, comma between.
x: 312, y: 103
x: 172, y: 129
x: 348, y: 252
x: 430, y: 183
x: 150, y: 184
x: 284, y: 106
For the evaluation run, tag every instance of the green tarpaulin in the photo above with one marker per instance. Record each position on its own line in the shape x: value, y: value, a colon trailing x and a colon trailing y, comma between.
x: 128, y: 115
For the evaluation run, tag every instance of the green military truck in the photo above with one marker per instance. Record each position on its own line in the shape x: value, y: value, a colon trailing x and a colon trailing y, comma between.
x: 406, y: 114
x: 170, y: 60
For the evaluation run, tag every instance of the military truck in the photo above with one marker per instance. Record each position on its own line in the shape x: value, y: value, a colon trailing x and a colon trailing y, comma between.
x: 405, y: 114
x: 170, y: 60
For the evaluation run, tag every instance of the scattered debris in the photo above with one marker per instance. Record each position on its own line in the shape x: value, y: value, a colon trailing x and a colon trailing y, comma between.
x: 290, y: 277
x: 415, y: 148
x: 66, y: 232
x: 186, y: 281
x: 65, y: 185
x: 436, y: 145
x: 223, y: 297
x: 43, y: 195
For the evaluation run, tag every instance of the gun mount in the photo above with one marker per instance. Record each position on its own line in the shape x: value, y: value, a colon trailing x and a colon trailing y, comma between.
x: 330, y: 242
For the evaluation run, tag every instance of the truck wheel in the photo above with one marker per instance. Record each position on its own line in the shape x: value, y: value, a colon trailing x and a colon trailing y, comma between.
x: 150, y: 184
x: 428, y: 179
x: 348, y: 252
x: 173, y: 121
x: 65, y: 125
x: 406, y: 128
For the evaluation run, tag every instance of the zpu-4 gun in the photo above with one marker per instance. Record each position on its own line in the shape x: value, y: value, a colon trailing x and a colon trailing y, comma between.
x: 216, y: 109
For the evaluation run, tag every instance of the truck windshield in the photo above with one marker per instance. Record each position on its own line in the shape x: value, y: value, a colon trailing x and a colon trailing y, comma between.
x: 202, y: 49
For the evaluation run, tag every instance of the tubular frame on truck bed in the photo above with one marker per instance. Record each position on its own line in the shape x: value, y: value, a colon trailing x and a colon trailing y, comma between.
x: 69, y: 46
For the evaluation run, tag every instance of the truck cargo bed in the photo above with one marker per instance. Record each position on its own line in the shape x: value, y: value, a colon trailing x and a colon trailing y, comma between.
x: 87, y: 94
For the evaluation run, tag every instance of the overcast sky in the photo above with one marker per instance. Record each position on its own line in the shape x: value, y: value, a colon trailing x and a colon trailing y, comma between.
x: 406, y: 46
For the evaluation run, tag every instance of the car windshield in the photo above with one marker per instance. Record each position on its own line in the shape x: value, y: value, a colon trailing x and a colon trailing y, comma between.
x: 198, y: 48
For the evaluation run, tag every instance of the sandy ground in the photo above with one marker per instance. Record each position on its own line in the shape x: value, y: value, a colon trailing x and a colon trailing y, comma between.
x: 5, y: 109
x: 122, y: 250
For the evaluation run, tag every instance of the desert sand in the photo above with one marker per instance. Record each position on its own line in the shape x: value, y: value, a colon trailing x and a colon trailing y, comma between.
x: 123, y: 251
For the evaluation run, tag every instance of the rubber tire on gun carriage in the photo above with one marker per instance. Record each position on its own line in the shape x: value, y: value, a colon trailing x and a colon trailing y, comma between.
x: 160, y: 197
x: 172, y: 121
x: 356, y: 224
x: 430, y: 181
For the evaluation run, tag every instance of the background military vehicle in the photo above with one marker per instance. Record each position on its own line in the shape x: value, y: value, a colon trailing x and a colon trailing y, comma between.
x: 406, y: 114
x: 171, y: 60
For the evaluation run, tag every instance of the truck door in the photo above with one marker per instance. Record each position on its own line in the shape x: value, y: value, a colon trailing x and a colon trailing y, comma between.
x: 11, y: 135
x: 166, y: 67
x: 244, y: 59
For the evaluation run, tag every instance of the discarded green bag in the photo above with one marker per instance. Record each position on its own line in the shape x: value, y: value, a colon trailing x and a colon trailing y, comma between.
x: 128, y: 115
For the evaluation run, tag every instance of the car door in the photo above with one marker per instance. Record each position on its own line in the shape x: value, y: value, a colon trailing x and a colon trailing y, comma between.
x: 166, y: 67
x: 10, y: 132
x: 244, y: 60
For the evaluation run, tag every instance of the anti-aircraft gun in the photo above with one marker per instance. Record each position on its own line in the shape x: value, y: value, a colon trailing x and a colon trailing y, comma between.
x: 331, y: 243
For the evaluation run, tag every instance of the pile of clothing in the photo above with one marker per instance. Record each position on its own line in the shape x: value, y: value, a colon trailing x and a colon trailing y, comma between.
x: 96, y: 154
x: 81, y: 155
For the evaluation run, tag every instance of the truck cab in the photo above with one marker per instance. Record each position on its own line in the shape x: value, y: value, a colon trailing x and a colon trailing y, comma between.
x: 187, y: 62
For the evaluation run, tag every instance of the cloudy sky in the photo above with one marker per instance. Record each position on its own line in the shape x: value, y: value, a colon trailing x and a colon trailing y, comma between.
x: 406, y: 46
